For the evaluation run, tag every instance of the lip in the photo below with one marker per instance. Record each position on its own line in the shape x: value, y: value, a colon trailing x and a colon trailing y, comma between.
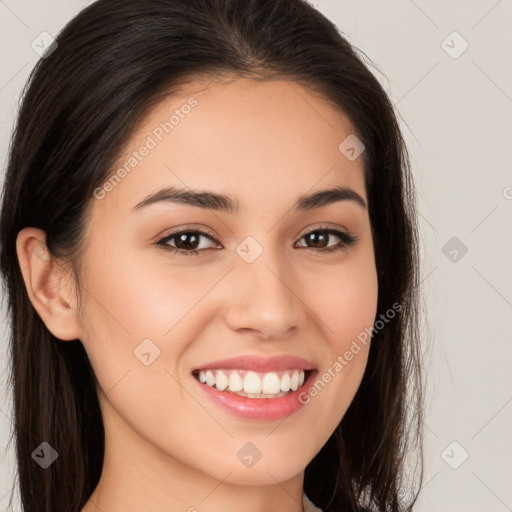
x: 258, y: 408
x: 260, y: 364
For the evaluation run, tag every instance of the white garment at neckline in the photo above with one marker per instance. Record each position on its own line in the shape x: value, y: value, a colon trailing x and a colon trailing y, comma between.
x: 308, y: 505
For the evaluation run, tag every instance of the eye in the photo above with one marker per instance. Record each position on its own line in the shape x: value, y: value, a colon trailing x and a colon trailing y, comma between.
x: 321, y: 237
x: 188, y: 242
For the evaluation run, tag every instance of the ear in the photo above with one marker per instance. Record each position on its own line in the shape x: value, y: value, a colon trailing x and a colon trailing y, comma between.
x: 50, y: 286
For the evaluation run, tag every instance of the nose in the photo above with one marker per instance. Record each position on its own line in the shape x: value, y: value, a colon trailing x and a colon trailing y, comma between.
x: 264, y: 298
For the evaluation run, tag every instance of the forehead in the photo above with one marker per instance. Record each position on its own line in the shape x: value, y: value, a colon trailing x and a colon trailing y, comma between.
x: 263, y: 142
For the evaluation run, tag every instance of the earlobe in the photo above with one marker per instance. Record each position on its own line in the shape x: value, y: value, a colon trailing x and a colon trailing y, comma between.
x: 49, y: 285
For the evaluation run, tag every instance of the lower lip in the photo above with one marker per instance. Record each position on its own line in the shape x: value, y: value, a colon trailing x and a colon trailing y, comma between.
x: 258, y: 408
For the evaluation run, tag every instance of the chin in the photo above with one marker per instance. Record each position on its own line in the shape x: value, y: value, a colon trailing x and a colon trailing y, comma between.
x: 265, y: 475
x: 263, y: 472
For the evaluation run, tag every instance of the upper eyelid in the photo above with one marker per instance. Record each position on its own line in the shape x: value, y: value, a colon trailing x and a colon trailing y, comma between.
x: 212, y: 234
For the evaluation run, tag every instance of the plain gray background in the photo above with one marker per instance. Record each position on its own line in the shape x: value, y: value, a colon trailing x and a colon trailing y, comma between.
x: 455, y: 111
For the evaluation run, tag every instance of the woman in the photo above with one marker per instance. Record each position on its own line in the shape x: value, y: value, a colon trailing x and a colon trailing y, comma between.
x: 209, y: 247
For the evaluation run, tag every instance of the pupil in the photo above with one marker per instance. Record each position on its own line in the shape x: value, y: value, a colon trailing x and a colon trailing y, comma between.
x: 182, y: 241
x: 316, y: 237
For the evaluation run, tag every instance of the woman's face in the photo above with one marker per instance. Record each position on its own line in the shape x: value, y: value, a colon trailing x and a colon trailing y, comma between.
x: 260, y: 283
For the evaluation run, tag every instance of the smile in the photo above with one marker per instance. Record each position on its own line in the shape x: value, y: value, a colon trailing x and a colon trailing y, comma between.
x: 254, y: 387
x: 252, y: 384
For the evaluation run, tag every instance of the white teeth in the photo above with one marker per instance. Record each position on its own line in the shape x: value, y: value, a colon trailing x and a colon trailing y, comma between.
x: 252, y: 384
x: 260, y: 395
x: 221, y: 381
x: 271, y: 384
x: 285, y: 382
x: 235, y: 382
x: 210, y: 378
x: 294, y: 384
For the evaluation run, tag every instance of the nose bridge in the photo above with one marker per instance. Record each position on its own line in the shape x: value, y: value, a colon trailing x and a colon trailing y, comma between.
x: 264, y: 299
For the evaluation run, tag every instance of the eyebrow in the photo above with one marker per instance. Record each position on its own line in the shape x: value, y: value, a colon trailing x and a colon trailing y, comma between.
x: 220, y: 202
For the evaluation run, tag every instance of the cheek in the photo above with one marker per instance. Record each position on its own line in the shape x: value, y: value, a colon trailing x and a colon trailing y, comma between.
x: 140, y: 315
x: 351, y: 310
x: 345, y: 299
x: 346, y: 302
x: 129, y: 297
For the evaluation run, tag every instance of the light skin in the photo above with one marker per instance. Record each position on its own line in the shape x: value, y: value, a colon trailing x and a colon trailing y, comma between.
x: 168, y: 447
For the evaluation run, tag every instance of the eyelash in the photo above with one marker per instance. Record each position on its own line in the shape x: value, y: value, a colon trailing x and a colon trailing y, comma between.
x: 346, y: 241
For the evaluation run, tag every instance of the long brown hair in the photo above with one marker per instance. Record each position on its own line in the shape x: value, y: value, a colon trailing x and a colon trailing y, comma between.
x: 114, y: 61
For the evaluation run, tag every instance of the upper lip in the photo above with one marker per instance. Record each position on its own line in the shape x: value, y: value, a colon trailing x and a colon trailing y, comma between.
x: 260, y: 364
